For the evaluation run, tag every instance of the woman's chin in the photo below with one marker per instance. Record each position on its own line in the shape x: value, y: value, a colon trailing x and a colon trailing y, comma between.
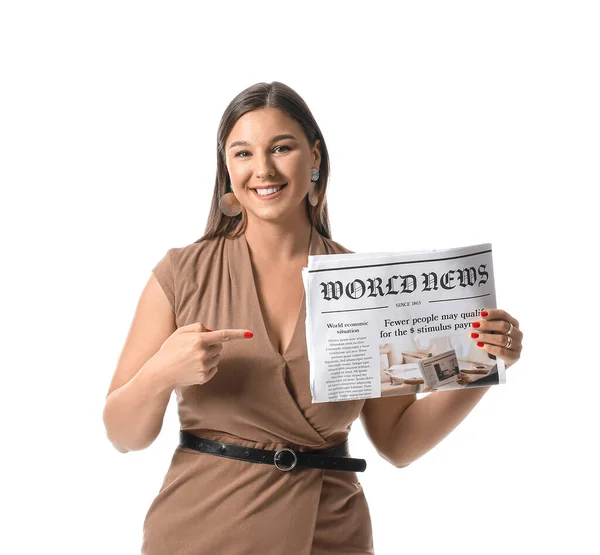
x: 283, y: 213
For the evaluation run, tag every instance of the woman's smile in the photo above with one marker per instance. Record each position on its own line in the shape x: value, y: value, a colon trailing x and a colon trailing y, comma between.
x: 269, y: 192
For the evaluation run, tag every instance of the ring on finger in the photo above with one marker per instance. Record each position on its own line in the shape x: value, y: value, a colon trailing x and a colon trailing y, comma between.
x: 510, y: 328
x: 508, y: 342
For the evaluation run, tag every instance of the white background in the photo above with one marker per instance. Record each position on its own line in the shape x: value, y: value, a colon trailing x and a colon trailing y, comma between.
x: 447, y: 123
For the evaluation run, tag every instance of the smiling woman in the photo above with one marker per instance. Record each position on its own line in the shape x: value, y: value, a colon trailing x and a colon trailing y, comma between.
x: 269, y: 165
x: 259, y: 467
x: 244, y: 401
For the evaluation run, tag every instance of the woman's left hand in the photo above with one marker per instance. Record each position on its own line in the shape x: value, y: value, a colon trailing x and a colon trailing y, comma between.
x: 498, y: 333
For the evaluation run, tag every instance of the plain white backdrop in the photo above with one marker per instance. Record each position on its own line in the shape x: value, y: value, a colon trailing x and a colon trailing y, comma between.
x: 447, y: 123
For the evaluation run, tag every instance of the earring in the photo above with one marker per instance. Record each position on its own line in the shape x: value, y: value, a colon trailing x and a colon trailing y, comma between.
x: 313, y: 193
x: 230, y: 205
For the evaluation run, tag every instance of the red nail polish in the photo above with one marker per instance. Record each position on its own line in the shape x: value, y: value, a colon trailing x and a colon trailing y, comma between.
x: 484, y: 313
x: 479, y: 344
x: 475, y: 324
x: 208, y: 329
x: 248, y: 334
x: 474, y: 335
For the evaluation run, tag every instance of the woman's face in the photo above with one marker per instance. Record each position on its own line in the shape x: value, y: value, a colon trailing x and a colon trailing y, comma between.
x: 257, y: 157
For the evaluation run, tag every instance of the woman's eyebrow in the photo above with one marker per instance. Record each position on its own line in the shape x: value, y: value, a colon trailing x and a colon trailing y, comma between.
x: 273, y: 139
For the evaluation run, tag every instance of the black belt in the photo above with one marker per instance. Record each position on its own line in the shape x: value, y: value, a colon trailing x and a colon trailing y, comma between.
x: 334, y: 458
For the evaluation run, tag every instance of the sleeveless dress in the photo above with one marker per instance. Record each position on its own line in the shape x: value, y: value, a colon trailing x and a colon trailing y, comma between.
x: 258, y: 398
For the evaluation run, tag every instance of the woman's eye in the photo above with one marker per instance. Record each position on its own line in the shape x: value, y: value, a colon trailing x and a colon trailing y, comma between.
x: 246, y: 152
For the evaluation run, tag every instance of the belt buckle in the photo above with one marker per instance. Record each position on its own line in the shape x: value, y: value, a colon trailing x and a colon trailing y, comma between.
x: 278, y: 453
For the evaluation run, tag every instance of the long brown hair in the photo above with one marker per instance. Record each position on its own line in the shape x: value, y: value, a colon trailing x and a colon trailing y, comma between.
x: 265, y: 95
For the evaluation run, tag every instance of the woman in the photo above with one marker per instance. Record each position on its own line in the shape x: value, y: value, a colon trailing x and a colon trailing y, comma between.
x: 221, y: 322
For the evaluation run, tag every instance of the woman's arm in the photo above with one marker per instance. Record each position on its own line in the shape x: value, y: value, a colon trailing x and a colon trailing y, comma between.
x: 134, y: 413
x: 403, y: 429
x: 139, y: 392
x: 429, y: 420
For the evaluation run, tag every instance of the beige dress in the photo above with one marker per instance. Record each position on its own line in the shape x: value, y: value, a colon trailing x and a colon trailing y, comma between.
x: 259, y: 398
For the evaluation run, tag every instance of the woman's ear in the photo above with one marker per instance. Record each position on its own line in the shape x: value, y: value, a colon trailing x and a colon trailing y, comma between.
x: 316, y: 151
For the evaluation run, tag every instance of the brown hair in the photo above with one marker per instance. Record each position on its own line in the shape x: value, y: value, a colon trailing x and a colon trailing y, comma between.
x: 265, y: 95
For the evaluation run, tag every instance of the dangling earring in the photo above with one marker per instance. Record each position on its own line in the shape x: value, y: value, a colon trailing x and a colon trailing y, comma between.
x: 230, y: 205
x: 313, y: 194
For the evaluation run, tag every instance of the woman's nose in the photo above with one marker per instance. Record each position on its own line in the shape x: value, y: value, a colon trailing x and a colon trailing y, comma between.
x: 264, y: 167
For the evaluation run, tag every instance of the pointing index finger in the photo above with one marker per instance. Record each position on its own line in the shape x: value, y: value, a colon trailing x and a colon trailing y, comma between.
x: 219, y: 336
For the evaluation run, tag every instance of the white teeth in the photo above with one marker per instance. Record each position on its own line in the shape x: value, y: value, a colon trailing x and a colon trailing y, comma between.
x: 264, y: 192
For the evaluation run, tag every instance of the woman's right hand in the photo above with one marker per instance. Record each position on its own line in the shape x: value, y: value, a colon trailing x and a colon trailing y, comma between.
x: 190, y: 355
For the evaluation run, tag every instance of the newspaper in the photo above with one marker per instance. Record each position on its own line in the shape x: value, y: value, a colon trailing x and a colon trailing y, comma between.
x: 381, y: 324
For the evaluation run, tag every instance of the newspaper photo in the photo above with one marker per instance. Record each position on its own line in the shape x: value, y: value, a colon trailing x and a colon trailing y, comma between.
x: 381, y: 324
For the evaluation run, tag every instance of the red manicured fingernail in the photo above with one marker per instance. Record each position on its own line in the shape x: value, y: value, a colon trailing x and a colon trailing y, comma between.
x: 484, y: 313
x: 248, y: 334
x: 479, y: 344
x: 475, y: 324
x: 474, y: 335
x: 208, y: 329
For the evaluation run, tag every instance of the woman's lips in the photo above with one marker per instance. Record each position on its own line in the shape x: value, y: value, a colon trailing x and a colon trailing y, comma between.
x: 272, y: 195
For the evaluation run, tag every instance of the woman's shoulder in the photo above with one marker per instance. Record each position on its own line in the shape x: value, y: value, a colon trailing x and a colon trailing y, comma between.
x: 191, y: 257
x: 180, y: 267
x: 198, y: 249
x: 333, y: 247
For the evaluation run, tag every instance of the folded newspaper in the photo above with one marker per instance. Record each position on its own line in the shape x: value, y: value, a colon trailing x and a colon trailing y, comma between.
x: 382, y: 324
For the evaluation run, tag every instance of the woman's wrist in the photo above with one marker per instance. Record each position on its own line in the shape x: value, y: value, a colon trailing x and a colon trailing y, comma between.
x: 155, y: 373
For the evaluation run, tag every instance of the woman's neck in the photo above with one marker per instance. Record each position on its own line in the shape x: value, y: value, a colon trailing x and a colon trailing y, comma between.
x: 278, y: 243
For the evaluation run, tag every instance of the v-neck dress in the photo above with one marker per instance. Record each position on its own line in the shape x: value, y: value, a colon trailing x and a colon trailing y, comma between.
x: 258, y: 398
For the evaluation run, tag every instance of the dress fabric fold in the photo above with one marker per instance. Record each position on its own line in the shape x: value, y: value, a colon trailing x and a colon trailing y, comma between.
x: 258, y: 398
